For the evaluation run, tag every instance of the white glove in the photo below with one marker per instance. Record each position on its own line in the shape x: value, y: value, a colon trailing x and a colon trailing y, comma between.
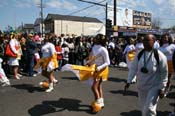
x: 98, y: 68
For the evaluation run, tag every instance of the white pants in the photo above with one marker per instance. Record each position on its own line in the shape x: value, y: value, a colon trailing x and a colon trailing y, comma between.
x: 3, y: 77
x: 148, y: 100
x: 129, y: 67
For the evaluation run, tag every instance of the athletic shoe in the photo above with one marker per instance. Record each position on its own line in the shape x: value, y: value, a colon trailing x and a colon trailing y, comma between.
x: 6, y: 84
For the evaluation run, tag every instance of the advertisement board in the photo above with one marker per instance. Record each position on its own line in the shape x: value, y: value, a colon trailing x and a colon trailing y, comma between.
x: 141, y: 19
x: 124, y: 16
x: 130, y: 18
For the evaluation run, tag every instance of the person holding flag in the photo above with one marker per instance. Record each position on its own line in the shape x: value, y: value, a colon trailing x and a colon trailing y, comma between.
x: 96, y: 68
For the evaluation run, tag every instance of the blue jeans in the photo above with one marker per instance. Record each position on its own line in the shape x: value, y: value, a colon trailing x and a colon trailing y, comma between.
x: 59, y: 64
x: 30, y: 64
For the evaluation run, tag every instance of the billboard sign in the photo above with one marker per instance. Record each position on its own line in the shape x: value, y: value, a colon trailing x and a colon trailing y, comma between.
x: 124, y: 16
x: 130, y: 18
x: 141, y: 19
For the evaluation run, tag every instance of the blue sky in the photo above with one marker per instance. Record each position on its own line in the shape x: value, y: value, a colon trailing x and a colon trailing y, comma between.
x: 16, y: 12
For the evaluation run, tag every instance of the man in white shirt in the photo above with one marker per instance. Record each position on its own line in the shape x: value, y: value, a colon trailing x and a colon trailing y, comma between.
x: 152, y: 76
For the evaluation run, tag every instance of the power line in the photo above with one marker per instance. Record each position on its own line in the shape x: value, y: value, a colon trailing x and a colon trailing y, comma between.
x: 166, y: 19
x: 85, y: 8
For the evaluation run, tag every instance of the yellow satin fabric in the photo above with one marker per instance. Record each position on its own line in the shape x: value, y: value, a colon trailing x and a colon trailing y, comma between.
x: 170, y: 66
x: 131, y: 55
x: 43, y: 62
x: 86, y: 72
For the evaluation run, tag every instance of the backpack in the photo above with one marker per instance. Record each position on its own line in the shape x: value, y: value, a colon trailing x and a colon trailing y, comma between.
x: 155, y: 55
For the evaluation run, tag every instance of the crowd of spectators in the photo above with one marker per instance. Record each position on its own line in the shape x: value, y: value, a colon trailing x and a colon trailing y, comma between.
x: 70, y: 49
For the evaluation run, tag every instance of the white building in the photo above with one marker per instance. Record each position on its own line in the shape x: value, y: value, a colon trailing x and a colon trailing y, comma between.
x: 66, y: 24
x: 38, y: 26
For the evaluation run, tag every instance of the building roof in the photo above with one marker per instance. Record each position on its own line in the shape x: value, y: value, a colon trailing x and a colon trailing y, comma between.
x: 28, y: 26
x: 37, y: 21
x: 71, y: 18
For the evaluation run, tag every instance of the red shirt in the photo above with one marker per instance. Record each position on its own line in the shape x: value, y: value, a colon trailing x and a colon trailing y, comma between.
x: 59, y: 55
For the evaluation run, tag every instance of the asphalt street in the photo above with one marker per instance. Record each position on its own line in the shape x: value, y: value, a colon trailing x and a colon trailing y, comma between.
x: 73, y: 98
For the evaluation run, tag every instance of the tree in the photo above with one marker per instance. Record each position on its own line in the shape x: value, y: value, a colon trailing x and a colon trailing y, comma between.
x: 173, y: 27
x: 156, y: 23
x: 9, y: 29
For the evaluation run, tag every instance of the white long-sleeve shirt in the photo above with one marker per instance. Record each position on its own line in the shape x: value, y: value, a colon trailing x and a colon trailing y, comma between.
x: 168, y: 50
x: 48, y: 49
x: 157, y: 75
x: 13, y: 43
x: 102, y: 56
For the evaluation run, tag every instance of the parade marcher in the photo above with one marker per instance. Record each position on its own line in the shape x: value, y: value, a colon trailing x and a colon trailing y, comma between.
x: 156, y: 44
x: 95, y: 69
x: 48, y: 62
x: 173, y: 60
x: 139, y: 45
x: 102, y: 62
x: 3, y: 78
x: 152, y: 76
x: 130, y: 52
x: 168, y: 48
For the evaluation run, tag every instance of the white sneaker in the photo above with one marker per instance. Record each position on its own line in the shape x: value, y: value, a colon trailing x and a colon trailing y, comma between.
x: 34, y: 75
x: 55, y: 81
x: 49, y: 90
x: 102, y: 105
x: 6, y: 84
x: 19, y: 75
x: 100, y: 101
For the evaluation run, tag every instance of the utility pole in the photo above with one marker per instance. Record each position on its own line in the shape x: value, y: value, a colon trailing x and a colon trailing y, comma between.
x: 115, y: 27
x: 41, y: 6
x: 115, y: 16
x: 106, y: 18
x: 42, y: 18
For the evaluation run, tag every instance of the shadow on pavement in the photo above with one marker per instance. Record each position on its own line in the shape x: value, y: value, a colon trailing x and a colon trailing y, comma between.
x: 131, y: 113
x: 138, y: 113
x: 29, y: 87
x: 116, y: 79
x: 171, y: 95
x: 70, y: 78
x: 128, y: 93
x: 62, y: 104
x: 165, y: 113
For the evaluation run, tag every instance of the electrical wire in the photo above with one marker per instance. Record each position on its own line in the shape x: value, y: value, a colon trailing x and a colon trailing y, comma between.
x: 84, y: 8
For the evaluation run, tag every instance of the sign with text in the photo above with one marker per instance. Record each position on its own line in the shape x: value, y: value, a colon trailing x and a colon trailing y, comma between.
x: 130, y: 18
x: 141, y: 19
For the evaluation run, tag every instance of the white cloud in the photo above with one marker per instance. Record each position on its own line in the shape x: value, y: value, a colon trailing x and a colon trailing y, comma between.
x: 158, y: 1
x: 172, y: 5
x: 61, y: 4
x: 69, y: 6
x: 54, y: 4
x: 23, y: 3
x: 3, y: 3
x: 36, y: 1
x: 130, y: 4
